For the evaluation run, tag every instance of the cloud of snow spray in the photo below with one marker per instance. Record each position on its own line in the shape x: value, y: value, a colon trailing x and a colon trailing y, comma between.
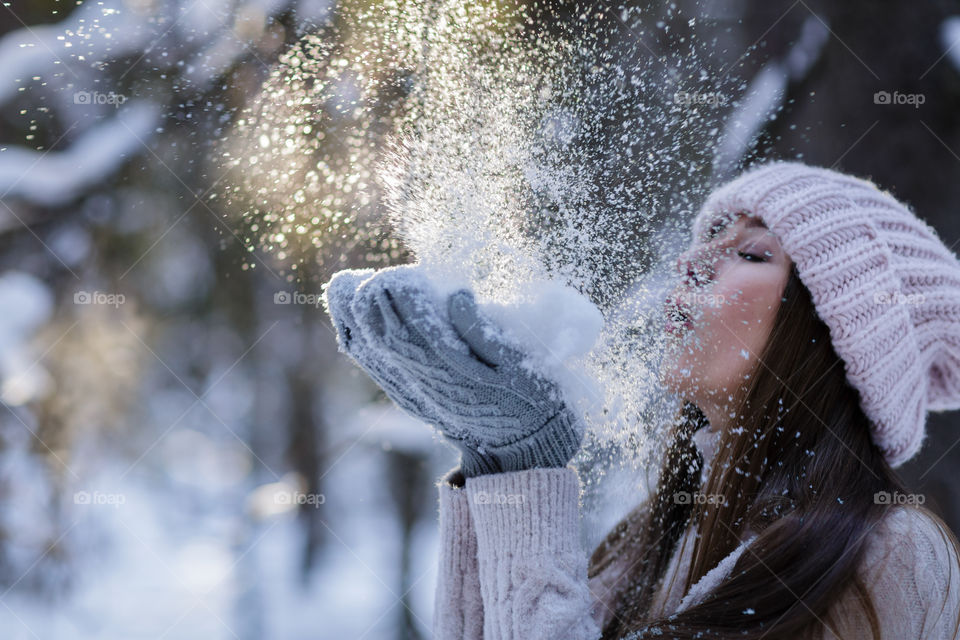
x: 525, y: 155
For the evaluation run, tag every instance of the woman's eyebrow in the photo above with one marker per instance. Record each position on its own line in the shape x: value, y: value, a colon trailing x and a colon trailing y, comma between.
x: 722, y: 222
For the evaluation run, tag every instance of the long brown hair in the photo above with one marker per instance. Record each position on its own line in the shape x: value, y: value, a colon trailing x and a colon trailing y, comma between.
x: 801, y: 472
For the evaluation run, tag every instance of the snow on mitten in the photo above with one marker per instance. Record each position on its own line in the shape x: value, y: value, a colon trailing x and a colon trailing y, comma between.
x: 338, y: 296
x: 475, y: 386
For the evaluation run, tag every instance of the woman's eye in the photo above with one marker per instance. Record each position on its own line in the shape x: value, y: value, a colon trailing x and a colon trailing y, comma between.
x: 752, y: 257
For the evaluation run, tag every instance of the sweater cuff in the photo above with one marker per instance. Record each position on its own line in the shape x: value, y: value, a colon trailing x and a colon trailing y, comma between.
x: 458, y: 603
x: 456, y: 530
x: 529, y: 512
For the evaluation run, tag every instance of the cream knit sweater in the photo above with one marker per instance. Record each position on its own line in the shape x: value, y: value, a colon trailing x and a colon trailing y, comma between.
x: 512, y: 567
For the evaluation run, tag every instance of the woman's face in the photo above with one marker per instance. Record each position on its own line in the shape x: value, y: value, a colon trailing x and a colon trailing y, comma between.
x: 719, y: 317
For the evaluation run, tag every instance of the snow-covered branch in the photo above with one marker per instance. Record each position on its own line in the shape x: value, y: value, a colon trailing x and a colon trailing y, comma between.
x: 56, y: 177
x: 196, y: 41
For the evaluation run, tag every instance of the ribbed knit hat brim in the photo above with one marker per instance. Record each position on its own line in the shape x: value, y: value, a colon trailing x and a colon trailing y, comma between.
x: 882, y: 281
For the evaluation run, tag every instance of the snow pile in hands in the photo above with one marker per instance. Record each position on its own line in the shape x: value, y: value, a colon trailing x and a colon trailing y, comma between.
x: 556, y: 327
x: 552, y: 324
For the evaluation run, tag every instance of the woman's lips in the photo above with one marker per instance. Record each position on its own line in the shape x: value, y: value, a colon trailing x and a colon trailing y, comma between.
x: 678, y: 318
x: 673, y: 326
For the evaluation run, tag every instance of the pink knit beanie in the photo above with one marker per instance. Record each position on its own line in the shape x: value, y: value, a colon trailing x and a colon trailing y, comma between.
x: 881, y: 280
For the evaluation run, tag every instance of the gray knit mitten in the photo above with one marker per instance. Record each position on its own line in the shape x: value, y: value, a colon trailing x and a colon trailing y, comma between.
x: 454, y: 369
x: 338, y: 299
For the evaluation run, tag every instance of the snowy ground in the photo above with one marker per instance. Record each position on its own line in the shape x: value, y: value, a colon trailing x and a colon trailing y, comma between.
x: 172, y: 567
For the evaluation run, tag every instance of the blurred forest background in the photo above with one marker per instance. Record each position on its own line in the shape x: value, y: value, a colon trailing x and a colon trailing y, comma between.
x: 183, y: 453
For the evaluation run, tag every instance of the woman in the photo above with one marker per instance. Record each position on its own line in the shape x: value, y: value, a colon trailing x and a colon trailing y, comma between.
x: 818, y: 322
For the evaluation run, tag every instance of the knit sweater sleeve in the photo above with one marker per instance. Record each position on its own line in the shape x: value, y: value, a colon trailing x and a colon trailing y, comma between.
x: 532, y: 565
x: 458, y: 607
x: 912, y: 575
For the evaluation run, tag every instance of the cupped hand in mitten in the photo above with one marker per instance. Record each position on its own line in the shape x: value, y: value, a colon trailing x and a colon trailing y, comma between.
x: 338, y: 298
x: 444, y: 362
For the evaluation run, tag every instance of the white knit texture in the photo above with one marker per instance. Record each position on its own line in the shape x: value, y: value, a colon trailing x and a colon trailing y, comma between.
x: 548, y: 523
x: 533, y: 569
x: 530, y: 569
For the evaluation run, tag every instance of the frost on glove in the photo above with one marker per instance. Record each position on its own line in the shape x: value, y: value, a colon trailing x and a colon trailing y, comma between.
x: 443, y: 362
